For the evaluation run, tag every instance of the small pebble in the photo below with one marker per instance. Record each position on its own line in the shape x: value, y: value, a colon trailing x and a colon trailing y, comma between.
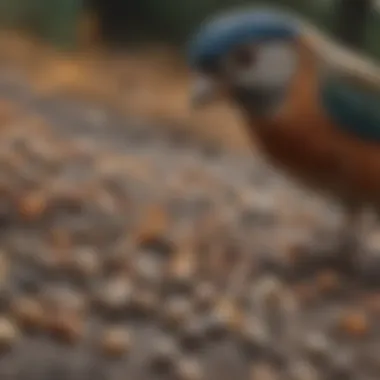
x: 65, y: 314
x: 328, y: 282
x: 153, y: 227
x: 115, y: 293
x: 204, y: 296
x: 342, y: 365
x: 255, y: 336
x: 192, y: 335
x: 263, y: 371
x: 115, y: 341
x: 181, y: 270
x: 28, y: 312
x: 189, y: 369
x: 216, y: 326
x: 175, y: 311
x: 148, y: 269
x: 86, y: 262
x: 32, y: 206
x: 302, y: 370
x: 354, y: 323
x: 144, y: 302
x: 268, y: 291
x: 229, y: 315
x: 68, y: 329
x: 59, y: 299
x: 9, y: 334
x: 318, y: 346
x: 165, y: 355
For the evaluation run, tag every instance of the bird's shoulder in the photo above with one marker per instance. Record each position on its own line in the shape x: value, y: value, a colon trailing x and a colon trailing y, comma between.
x: 349, y: 87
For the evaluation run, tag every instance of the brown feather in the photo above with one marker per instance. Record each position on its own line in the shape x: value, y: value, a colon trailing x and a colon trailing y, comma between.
x: 304, y: 141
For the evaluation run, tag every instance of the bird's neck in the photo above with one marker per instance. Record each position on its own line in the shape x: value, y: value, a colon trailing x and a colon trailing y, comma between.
x: 293, y: 131
x: 299, y: 105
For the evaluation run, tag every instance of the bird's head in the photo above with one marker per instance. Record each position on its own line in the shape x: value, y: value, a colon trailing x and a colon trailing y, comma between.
x: 250, y: 56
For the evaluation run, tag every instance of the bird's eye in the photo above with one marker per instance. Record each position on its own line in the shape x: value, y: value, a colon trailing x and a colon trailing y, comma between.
x: 243, y: 58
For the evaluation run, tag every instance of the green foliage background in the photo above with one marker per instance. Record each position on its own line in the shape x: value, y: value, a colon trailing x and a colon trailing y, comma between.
x: 172, y: 20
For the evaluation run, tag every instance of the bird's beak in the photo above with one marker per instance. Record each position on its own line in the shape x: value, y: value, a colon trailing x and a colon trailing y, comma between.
x: 204, y: 91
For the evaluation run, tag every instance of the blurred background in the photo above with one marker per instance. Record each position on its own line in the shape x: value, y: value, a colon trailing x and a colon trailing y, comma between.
x: 123, y: 51
x: 139, y: 239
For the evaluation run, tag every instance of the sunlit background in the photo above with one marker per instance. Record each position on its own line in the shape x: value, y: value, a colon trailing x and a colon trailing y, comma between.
x: 142, y: 240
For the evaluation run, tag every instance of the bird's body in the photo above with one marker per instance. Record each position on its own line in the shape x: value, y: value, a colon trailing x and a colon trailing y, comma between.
x: 313, y: 107
x: 309, y: 143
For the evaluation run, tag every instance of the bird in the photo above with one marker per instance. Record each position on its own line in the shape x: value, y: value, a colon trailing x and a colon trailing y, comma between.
x: 311, y: 104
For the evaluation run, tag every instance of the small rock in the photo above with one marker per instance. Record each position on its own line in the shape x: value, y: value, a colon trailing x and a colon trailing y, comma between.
x: 165, y: 355
x: 86, y: 262
x: 118, y: 259
x: 263, y: 371
x: 61, y: 298
x: 217, y: 324
x: 28, y: 312
x: 9, y: 333
x: 328, y: 282
x: 302, y: 370
x: 341, y: 365
x: 255, y: 337
x: 181, y: 270
x: 204, y: 297
x: 189, y: 369
x: 354, y: 323
x: 32, y: 206
x: 192, y: 335
x: 318, y: 346
x: 176, y: 310
x: 115, y: 294
x: 229, y: 314
x: 151, y: 233
x: 116, y: 341
x: 144, y: 302
x: 65, y: 313
x: 68, y: 329
x: 148, y: 269
x: 268, y: 291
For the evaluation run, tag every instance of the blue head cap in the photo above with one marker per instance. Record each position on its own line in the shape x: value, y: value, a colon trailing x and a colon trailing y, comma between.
x: 216, y: 37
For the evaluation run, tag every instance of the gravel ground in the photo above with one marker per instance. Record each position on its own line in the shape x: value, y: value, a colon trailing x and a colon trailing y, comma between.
x: 128, y: 251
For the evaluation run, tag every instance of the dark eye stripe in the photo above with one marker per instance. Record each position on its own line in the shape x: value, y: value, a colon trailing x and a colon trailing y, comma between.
x: 243, y: 57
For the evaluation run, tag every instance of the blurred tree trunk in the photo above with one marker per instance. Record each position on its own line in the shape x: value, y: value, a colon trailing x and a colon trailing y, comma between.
x: 352, y: 16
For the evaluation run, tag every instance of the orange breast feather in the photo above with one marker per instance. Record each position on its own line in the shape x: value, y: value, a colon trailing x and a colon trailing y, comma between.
x: 304, y: 141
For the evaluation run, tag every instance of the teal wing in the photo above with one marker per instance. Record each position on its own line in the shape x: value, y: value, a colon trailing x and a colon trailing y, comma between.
x: 349, y: 86
x: 353, y: 106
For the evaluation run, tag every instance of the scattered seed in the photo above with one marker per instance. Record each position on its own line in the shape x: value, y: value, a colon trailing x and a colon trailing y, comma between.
x: 115, y: 294
x: 302, y: 370
x: 176, y: 310
x: 263, y: 371
x: 165, y: 355
x: 28, y: 312
x: 328, y: 282
x: 116, y: 341
x: 9, y: 334
x: 189, y: 369
x: 354, y: 323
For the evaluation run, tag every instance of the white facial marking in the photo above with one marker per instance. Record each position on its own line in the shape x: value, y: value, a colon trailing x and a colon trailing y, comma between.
x: 273, y: 66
